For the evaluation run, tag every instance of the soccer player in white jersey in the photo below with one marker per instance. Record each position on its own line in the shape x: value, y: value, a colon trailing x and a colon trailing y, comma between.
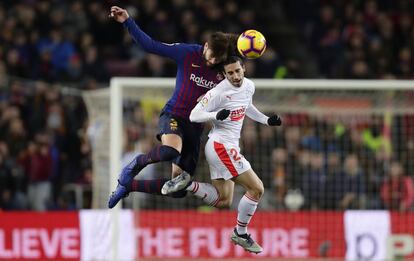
x: 226, y: 105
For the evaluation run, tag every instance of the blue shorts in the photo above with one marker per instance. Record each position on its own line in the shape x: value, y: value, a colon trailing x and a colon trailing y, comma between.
x: 190, y: 134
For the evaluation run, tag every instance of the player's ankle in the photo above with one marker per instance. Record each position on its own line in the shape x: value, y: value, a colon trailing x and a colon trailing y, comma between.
x: 241, y: 231
x: 190, y: 186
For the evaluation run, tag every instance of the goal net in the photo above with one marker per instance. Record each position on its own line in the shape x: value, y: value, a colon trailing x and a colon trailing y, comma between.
x: 341, y: 145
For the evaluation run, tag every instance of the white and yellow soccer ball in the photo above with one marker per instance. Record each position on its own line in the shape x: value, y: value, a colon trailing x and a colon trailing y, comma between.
x: 251, y: 44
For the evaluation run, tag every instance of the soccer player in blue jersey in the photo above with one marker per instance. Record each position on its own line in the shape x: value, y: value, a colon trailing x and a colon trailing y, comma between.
x: 180, y: 138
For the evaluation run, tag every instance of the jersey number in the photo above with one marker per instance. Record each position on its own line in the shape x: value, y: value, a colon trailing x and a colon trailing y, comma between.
x: 235, y: 154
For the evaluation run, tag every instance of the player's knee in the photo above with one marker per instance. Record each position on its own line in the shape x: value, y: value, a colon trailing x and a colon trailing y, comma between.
x: 168, y: 152
x: 224, y: 203
x: 257, y: 190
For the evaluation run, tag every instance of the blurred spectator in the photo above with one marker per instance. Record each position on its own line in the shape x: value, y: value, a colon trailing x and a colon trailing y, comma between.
x: 37, y: 162
x: 60, y: 49
x: 352, y: 192
x: 16, y: 134
x: 279, y: 176
x: 326, y: 40
x: 333, y: 179
x: 270, y: 65
x: 397, y: 192
x: 314, y: 181
x: 407, y: 156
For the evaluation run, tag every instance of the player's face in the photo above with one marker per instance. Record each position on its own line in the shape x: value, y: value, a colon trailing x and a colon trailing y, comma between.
x: 209, y: 57
x: 234, y: 72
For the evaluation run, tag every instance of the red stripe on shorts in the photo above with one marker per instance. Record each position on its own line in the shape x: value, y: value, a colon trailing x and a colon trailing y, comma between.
x: 224, y: 157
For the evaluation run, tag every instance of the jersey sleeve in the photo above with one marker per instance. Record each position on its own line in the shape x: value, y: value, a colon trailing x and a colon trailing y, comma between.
x: 253, y: 113
x: 206, y: 108
x: 175, y: 51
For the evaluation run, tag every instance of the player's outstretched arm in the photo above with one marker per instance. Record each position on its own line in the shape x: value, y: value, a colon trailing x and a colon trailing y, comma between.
x: 198, y: 115
x: 253, y: 113
x: 174, y: 51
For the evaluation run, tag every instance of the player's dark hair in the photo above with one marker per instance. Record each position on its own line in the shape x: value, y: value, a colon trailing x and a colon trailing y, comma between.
x: 232, y: 59
x: 232, y: 48
x: 219, y: 43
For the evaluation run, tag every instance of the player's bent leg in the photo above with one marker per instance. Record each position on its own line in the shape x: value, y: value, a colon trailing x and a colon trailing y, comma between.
x: 168, y: 151
x: 146, y: 186
x: 119, y: 193
x: 188, y: 162
x: 157, y: 154
x: 206, y: 192
x: 251, y: 183
x: 154, y: 186
x: 246, y: 209
x: 219, y: 195
x: 226, y: 191
x: 178, y: 183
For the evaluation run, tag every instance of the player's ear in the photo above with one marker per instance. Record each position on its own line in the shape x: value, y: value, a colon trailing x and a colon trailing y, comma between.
x: 205, y: 46
x: 223, y: 70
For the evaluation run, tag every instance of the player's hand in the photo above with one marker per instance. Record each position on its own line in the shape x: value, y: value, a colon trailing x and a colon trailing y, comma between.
x: 118, y: 14
x: 274, y: 120
x: 222, y: 114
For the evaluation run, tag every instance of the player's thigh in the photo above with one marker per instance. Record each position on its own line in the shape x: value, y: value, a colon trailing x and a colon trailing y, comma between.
x: 225, y: 188
x: 172, y: 140
x: 250, y: 181
x: 189, y: 156
x: 170, y: 131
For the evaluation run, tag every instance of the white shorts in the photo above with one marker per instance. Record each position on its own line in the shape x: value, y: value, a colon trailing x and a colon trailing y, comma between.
x: 225, y: 160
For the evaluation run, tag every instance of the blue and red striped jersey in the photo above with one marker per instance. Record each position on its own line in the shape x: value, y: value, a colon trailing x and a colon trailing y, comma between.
x: 194, y: 78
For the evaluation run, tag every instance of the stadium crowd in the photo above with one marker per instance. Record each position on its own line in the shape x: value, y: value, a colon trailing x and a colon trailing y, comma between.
x: 371, y: 39
x: 43, y: 128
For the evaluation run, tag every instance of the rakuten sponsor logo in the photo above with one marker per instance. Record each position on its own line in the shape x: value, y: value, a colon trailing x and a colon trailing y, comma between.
x: 213, y: 242
x: 39, y: 243
x: 200, y: 81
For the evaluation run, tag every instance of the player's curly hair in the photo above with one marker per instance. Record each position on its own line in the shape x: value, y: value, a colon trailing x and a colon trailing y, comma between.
x: 232, y: 45
x: 222, y: 45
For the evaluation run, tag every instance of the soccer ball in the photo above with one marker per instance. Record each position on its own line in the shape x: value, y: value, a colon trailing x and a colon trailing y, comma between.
x: 251, y: 44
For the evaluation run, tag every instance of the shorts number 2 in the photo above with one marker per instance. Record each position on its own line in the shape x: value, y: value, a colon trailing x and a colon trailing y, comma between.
x: 235, y: 154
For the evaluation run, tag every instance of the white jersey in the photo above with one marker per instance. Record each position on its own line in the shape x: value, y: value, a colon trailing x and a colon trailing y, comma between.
x: 236, y: 99
x: 222, y: 148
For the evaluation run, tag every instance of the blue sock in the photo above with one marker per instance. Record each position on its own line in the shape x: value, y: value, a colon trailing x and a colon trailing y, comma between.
x: 154, y: 186
x: 156, y: 154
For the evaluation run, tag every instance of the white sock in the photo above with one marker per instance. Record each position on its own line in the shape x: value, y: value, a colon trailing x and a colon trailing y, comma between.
x: 207, y: 192
x: 246, y: 209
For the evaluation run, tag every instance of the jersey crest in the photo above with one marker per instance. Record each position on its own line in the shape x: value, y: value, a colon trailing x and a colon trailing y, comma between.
x: 173, y: 124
